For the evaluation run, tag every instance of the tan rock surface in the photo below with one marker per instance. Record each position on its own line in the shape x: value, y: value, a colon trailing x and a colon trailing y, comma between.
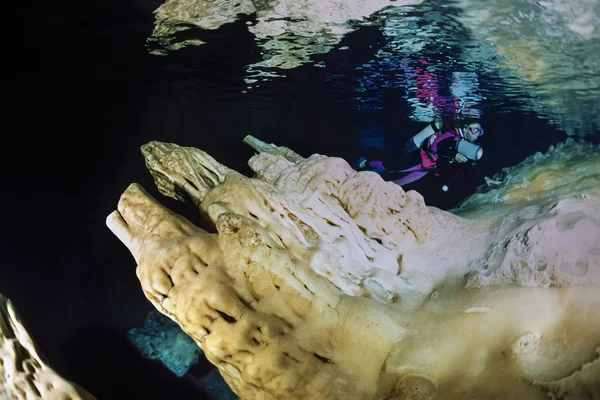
x: 24, y: 375
x: 320, y: 282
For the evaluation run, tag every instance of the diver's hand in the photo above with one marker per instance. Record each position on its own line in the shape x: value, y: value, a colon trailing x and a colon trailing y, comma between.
x: 460, y: 158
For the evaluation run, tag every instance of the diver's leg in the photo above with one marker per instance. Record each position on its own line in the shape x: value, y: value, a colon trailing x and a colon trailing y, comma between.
x: 362, y: 164
x: 406, y: 177
x: 403, y: 161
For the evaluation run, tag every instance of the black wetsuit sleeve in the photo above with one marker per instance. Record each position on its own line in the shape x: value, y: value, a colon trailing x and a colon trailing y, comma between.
x: 447, y: 148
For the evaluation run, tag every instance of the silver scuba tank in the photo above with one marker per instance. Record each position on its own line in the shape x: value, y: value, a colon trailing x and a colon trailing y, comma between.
x: 469, y: 150
x: 415, y: 142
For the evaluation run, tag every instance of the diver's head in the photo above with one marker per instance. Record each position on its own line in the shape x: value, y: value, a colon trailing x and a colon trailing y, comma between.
x: 471, y: 129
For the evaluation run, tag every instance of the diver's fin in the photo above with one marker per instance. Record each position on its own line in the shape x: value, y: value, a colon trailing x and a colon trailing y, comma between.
x: 359, y: 164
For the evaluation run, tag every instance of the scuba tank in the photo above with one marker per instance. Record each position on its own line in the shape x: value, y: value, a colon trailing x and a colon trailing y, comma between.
x: 413, y: 144
x: 469, y: 150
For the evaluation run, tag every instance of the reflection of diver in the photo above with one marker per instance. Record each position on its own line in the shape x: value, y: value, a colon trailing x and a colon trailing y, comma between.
x: 454, y: 142
x: 426, y: 86
x: 425, y: 90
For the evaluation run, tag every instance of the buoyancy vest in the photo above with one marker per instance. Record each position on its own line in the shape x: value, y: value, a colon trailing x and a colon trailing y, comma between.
x: 428, y: 149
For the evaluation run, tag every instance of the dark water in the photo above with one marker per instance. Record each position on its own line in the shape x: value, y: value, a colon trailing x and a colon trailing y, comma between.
x: 84, y: 94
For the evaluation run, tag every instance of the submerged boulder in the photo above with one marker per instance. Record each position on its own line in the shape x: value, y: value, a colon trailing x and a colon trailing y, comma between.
x: 162, y: 339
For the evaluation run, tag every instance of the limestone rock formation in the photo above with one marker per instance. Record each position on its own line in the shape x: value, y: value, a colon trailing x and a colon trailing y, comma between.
x: 24, y: 375
x: 313, y: 281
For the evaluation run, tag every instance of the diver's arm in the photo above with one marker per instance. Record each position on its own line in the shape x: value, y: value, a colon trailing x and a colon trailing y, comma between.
x: 447, y: 148
x: 461, y: 158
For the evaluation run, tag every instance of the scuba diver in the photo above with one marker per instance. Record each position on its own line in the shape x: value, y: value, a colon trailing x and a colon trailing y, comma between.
x: 443, y: 139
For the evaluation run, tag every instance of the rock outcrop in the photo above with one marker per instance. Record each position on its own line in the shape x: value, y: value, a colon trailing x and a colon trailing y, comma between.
x: 313, y: 281
x: 24, y: 374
